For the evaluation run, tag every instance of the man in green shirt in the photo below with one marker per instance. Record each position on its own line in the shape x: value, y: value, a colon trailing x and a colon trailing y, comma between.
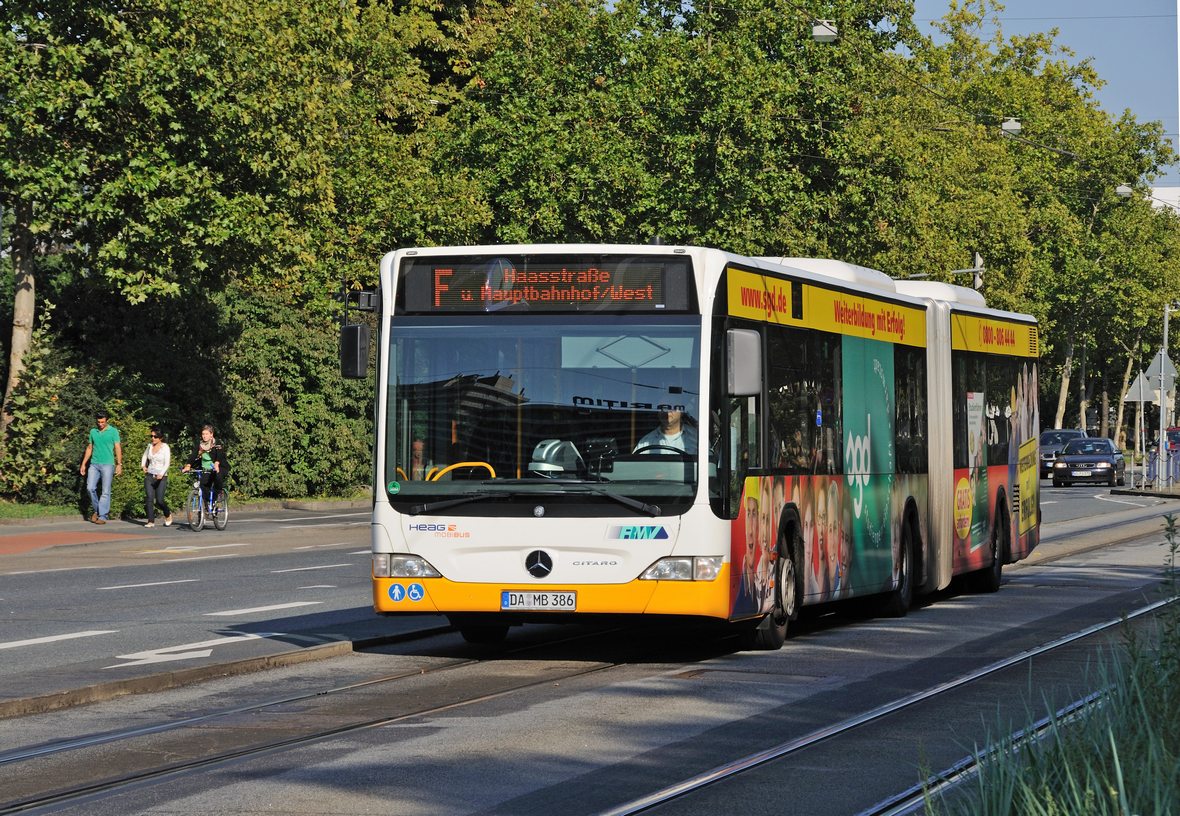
x: 104, y: 454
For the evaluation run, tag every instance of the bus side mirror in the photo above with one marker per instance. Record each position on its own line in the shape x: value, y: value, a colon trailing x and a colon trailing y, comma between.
x: 744, y: 353
x: 354, y: 351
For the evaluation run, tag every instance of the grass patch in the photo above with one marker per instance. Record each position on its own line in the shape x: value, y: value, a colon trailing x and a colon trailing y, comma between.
x: 1121, y: 757
x: 13, y: 510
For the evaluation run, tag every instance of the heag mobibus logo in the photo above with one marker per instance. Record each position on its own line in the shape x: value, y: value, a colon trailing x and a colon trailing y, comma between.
x: 439, y: 530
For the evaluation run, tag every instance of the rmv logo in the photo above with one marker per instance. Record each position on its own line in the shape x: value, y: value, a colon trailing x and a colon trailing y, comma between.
x: 858, y: 463
x: 638, y: 532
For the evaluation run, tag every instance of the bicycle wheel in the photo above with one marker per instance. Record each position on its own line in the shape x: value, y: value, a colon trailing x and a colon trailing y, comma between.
x: 196, y: 513
x: 221, y: 510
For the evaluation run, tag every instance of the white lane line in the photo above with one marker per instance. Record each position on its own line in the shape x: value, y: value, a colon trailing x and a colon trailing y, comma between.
x: 12, y: 644
x: 360, y: 552
x: 192, y: 548
x: 322, y: 526
x: 307, y: 518
x: 322, y: 546
x: 319, y: 586
x: 1119, y: 501
x: 199, y: 558
x: 230, y: 612
x: 305, y: 569
x: 153, y: 583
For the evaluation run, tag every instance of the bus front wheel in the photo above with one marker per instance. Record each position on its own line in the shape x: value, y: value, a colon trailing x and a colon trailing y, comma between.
x: 771, y: 631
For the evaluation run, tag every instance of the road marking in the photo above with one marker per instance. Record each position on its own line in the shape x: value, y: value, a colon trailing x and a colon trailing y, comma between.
x: 322, y: 546
x: 306, y: 518
x: 1119, y: 501
x: 275, y: 607
x: 154, y: 583
x: 12, y: 644
x: 188, y: 651
x: 305, y: 569
x: 360, y: 552
x: 191, y: 548
x: 319, y: 586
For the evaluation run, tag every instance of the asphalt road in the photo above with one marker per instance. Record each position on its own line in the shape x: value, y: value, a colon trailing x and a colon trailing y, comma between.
x: 87, y: 609
x: 88, y: 612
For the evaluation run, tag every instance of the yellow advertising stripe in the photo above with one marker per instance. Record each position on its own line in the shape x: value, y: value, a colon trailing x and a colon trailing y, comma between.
x: 994, y: 335
x: 768, y: 299
x: 439, y: 595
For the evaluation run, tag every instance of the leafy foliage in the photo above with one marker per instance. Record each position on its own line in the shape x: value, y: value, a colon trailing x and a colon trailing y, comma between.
x: 195, y: 179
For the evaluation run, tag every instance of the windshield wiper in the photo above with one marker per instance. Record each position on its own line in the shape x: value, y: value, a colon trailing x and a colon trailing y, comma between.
x: 430, y: 507
x: 627, y: 501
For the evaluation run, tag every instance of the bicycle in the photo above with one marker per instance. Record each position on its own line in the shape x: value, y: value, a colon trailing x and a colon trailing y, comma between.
x: 199, y: 508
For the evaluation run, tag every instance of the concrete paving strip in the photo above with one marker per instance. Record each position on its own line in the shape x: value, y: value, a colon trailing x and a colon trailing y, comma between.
x: 161, y: 681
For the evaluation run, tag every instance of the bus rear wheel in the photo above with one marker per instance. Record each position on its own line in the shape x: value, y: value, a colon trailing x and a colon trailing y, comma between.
x: 771, y: 632
x: 988, y: 578
x: 897, y: 603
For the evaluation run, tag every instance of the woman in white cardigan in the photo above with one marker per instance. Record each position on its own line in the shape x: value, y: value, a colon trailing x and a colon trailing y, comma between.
x: 155, y: 463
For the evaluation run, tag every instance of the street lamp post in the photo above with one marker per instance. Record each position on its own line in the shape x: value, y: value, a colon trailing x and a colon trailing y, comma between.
x: 1162, y: 447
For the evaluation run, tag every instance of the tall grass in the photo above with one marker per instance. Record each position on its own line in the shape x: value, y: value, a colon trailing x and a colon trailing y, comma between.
x: 1121, y: 755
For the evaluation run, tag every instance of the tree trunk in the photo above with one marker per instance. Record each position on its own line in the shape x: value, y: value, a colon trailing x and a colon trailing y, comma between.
x: 1105, y: 420
x: 23, y: 303
x: 1067, y: 365
x: 1083, y: 393
x: 1120, y: 434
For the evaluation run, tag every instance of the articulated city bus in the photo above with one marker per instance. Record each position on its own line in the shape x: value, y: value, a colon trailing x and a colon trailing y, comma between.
x: 576, y: 432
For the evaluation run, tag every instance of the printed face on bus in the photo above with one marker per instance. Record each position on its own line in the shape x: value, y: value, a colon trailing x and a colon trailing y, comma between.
x: 766, y: 523
x: 819, y: 561
x: 751, y: 530
x: 780, y: 501
x: 833, y: 536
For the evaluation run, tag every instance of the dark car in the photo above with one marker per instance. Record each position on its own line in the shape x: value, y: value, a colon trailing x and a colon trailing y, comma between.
x: 1089, y: 460
x: 1051, y: 444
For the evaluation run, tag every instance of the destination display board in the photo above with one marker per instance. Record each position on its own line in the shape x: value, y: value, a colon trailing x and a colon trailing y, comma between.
x: 545, y: 283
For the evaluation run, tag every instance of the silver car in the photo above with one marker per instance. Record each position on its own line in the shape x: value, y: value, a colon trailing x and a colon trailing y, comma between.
x: 1051, y: 444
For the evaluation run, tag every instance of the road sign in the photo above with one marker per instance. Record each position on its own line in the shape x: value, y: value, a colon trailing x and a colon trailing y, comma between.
x: 1161, y: 363
x: 1140, y: 391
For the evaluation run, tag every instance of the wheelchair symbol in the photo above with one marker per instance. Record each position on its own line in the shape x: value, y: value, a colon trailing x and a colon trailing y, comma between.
x: 416, y: 592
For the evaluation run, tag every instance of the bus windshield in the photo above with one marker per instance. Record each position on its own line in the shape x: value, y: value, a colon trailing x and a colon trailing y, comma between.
x: 597, y: 414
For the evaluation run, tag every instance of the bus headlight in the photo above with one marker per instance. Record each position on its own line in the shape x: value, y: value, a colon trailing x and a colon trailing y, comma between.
x: 700, y: 568
x: 386, y: 565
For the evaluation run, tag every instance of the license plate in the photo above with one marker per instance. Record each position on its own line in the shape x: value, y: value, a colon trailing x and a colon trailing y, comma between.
x: 1081, y: 473
x: 545, y: 601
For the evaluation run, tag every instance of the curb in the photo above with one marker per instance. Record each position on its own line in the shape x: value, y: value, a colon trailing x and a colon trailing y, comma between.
x: 1172, y: 493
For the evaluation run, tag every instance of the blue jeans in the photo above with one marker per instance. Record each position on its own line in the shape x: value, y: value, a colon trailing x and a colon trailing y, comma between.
x: 107, y: 472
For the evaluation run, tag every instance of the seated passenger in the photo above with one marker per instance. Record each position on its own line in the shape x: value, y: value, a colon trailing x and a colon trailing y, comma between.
x: 673, y: 432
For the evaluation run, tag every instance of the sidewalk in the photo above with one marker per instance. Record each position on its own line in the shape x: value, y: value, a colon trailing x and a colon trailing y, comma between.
x: 26, y: 535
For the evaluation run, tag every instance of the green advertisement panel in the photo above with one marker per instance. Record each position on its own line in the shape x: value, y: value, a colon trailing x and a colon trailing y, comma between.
x: 868, y: 406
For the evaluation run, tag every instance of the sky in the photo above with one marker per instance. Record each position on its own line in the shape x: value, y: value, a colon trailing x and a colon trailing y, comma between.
x: 1133, y: 44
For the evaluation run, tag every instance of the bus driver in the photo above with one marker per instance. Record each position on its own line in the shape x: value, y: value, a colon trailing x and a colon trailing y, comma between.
x: 674, y: 432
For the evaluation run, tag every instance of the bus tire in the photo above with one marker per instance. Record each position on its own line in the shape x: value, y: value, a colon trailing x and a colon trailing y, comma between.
x: 988, y: 578
x: 481, y: 633
x: 771, y: 632
x: 897, y: 602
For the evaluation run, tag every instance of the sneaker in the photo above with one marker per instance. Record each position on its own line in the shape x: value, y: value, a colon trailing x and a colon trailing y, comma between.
x: 150, y: 524
x: 167, y: 521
